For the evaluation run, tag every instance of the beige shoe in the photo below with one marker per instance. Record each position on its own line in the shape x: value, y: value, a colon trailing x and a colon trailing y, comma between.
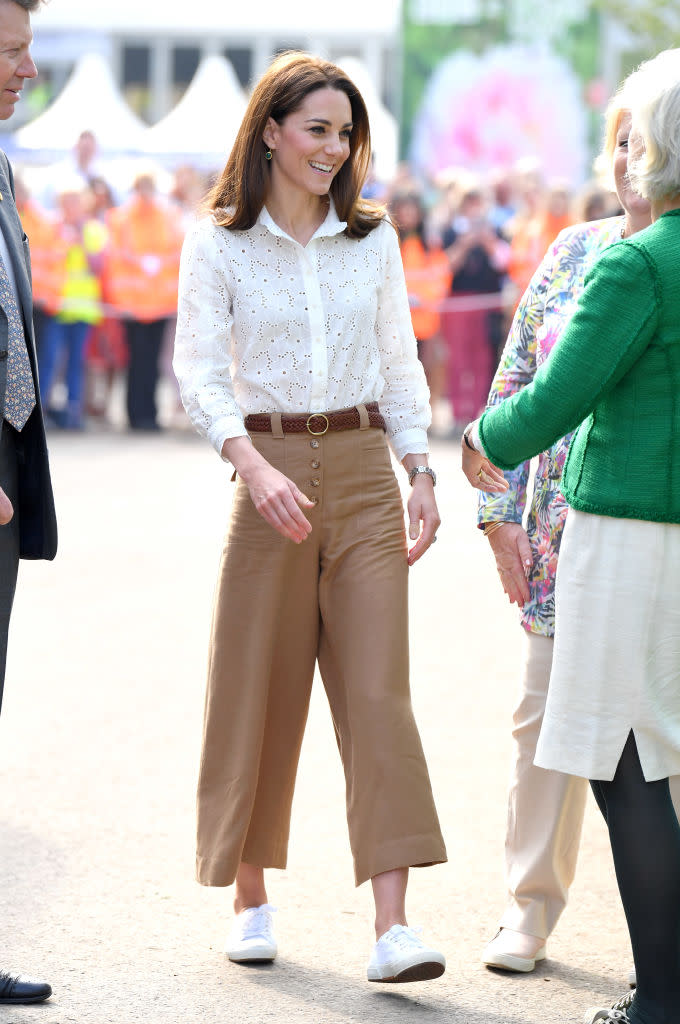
x: 513, y: 951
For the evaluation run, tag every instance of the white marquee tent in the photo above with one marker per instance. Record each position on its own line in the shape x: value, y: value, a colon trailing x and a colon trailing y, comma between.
x: 89, y: 100
x: 384, y: 128
x: 202, y: 127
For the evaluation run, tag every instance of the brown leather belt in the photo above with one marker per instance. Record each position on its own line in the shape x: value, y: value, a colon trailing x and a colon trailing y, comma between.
x: 316, y: 423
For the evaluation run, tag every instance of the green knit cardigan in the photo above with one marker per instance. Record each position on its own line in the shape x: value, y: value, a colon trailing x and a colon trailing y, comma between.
x: 615, y: 371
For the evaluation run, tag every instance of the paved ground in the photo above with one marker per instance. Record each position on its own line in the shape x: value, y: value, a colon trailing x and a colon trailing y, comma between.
x: 98, y: 751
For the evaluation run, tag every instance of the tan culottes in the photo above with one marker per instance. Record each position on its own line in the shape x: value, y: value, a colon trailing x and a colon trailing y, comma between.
x: 339, y: 597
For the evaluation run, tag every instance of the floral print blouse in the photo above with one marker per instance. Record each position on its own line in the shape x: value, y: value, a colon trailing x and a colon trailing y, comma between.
x: 541, y: 316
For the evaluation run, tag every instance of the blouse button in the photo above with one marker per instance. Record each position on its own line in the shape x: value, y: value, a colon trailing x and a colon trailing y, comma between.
x: 315, y: 463
x: 314, y: 501
x: 315, y: 481
x: 313, y: 444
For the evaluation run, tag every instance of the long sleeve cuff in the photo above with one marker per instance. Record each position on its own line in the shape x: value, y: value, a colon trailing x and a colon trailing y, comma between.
x: 472, y: 431
x: 410, y: 442
x: 221, y: 430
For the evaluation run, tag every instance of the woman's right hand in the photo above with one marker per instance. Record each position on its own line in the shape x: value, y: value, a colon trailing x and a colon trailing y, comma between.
x: 278, y: 499
x: 6, y: 510
x: 512, y: 550
x: 481, y: 473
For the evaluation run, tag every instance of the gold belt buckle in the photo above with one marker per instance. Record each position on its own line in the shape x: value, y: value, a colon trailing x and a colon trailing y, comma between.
x: 317, y: 433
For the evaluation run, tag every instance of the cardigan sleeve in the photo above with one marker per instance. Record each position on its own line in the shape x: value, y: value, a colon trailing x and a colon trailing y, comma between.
x: 614, y: 323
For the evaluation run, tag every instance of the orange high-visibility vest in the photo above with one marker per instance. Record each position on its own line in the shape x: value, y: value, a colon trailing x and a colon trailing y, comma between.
x: 428, y: 280
x: 142, y: 267
x: 48, y: 254
x: 529, y: 245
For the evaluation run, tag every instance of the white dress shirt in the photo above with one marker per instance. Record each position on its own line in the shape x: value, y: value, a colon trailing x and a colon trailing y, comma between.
x: 9, y: 267
x: 268, y: 325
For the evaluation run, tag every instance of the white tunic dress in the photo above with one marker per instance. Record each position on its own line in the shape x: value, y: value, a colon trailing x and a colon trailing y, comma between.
x: 616, y: 663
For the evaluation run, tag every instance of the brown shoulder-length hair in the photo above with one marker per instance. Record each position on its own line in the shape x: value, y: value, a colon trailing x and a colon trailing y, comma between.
x: 239, y: 194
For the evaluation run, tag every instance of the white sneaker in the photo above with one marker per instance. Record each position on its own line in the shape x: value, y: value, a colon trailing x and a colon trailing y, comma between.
x: 618, y: 1011
x: 400, y: 955
x: 606, y: 1017
x: 252, y: 936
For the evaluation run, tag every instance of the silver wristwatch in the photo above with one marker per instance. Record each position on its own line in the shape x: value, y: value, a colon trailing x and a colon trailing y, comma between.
x: 413, y: 473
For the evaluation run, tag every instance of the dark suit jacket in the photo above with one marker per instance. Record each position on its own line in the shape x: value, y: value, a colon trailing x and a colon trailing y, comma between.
x: 37, y: 520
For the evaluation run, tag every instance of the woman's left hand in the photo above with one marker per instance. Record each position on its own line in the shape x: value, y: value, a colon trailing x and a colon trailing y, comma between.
x: 423, y: 516
x: 481, y: 473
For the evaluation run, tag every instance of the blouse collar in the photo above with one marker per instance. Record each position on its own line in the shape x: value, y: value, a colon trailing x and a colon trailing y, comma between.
x: 332, y: 225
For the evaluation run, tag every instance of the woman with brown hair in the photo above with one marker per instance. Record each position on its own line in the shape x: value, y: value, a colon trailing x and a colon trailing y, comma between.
x: 293, y: 324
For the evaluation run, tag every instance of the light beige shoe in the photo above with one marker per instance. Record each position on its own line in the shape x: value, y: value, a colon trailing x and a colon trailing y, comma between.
x: 513, y: 951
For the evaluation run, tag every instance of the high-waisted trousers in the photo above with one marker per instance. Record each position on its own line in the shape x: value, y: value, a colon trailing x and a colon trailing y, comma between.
x: 339, y: 597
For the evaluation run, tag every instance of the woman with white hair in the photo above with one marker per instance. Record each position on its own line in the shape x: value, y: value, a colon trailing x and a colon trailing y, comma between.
x: 613, y: 708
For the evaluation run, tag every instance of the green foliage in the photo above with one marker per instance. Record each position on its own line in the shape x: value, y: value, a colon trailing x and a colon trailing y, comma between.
x: 425, y: 46
x: 581, y: 46
x: 655, y: 24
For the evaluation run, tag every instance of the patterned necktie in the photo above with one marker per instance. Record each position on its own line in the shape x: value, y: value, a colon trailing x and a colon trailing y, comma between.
x: 20, y: 392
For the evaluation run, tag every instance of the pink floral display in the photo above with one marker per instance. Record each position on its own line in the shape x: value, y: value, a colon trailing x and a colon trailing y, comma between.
x: 490, y: 111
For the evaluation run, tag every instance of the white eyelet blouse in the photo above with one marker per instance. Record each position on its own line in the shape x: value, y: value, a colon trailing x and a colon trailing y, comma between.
x: 268, y: 325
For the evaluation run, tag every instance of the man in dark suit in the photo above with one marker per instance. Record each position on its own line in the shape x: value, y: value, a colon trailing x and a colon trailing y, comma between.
x: 27, y: 522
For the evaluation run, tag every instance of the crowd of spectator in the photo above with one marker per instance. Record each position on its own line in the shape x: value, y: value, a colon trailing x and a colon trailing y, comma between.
x: 470, y: 246
x: 105, y: 269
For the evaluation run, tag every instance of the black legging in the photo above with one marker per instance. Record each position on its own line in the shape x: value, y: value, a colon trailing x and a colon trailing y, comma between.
x: 645, y: 839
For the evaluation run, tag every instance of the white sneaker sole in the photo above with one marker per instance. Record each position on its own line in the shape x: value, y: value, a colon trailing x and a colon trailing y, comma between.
x: 591, y: 1013
x: 422, y: 970
x: 253, y: 954
x: 509, y: 962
